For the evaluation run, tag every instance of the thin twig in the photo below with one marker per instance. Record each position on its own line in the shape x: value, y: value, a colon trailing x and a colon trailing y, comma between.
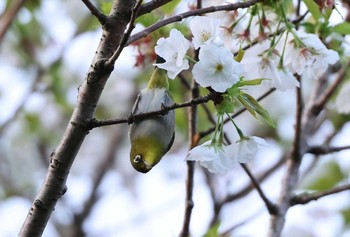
x: 180, y: 17
x: 150, y: 6
x: 102, y: 18
x: 187, y: 14
x: 319, y: 105
x: 105, y: 164
x: 192, y: 125
x: 184, y: 81
x: 227, y: 232
x: 185, y: 232
x: 308, y: 197
x: 134, y: 117
x: 8, y: 17
x: 322, y: 150
x: 54, y: 184
x: 246, y: 189
x: 315, y: 160
x: 295, y: 154
x: 126, y: 35
x: 204, y: 106
x: 280, y: 31
x: 19, y: 108
x: 212, y: 129
x: 261, y: 177
x: 292, y: 172
x: 269, y: 205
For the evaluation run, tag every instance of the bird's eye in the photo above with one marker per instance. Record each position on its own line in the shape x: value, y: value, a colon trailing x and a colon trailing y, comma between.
x: 137, y: 158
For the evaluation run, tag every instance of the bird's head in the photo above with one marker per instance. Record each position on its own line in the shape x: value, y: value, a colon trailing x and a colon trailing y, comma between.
x: 145, y: 153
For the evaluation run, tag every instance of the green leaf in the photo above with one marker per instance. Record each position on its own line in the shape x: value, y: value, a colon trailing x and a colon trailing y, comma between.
x: 314, y: 9
x: 255, y: 108
x: 106, y: 6
x: 342, y: 28
x: 324, y: 29
x: 324, y: 177
x: 169, y: 7
x: 226, y: 105
x: 239, y: 55
x: 346, y: 216
x: 213, y: 231
x: 327, y: 13
x: 234, y: 90
x: 253, y: 82
x: 148, y: 19
x: 338, y: 120
x: 33, y: 122
x: 33, y: 5
x: 246, y: 104
x: 309, y: 27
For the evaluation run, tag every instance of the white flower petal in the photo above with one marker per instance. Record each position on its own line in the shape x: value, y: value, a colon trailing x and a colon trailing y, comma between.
x: 312, y: 59
x: 173, y: 50
x: 205, y: 30
x: 216, y: 68
x: 201, y: 153
x: 248, y: 148
x: 215, y: 159
x: 285, y: 80
x: 262, y: 67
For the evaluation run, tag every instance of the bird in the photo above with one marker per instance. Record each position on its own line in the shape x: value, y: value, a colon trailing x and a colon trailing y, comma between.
x: 152, y: 137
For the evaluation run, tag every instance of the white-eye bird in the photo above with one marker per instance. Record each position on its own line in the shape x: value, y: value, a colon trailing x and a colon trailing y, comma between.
x: 152, y: 137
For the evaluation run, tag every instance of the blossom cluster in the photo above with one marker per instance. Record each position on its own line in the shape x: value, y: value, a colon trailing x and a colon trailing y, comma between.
x: 274, y: 63
x: 296, y: 52
x: 219, y: 158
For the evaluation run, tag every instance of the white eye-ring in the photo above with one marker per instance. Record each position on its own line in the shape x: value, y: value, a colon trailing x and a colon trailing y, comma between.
x: 137, y: 158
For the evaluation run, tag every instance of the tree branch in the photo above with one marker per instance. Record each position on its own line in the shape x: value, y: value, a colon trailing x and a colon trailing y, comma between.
x: 269, y: 205
x: 192, y: 134
x: 106, y: 163
x: 126, y: 35
x: 19, y: 108
x: 54, y: 185
x: 134, y: 117
x: 321, y: 102
x: 150, y: 6
x: 180, y: 17
x: 245, y: 190
x: 304, y: 128
x: 292, y: 173
x: 305, y: 198
x: 212, y: 129
x: 322, y: 150
x: 102, y: 18
x: 8, y: 17
x: 185, y: 232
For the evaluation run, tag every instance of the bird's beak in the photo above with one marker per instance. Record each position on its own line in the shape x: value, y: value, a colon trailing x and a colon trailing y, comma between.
x: 147, y: 166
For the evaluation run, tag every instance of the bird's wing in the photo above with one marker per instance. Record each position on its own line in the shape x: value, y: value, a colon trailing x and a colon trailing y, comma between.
x: 170, y: 143
x: 135, y: 106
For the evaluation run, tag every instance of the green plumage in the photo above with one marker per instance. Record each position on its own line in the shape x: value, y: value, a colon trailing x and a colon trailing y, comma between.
x: 151, y: 138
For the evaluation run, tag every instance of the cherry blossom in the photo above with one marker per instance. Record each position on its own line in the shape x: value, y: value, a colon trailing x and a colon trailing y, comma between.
x: 216, y: 68
x: 205, y: 30
x: 173, y: 50
x: 216, y: 158
x: 266, y: 67
x: 310, y: 56
x: 248, y: 147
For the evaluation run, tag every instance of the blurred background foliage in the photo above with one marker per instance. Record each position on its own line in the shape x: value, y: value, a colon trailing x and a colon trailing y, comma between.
x: 44, y: 57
